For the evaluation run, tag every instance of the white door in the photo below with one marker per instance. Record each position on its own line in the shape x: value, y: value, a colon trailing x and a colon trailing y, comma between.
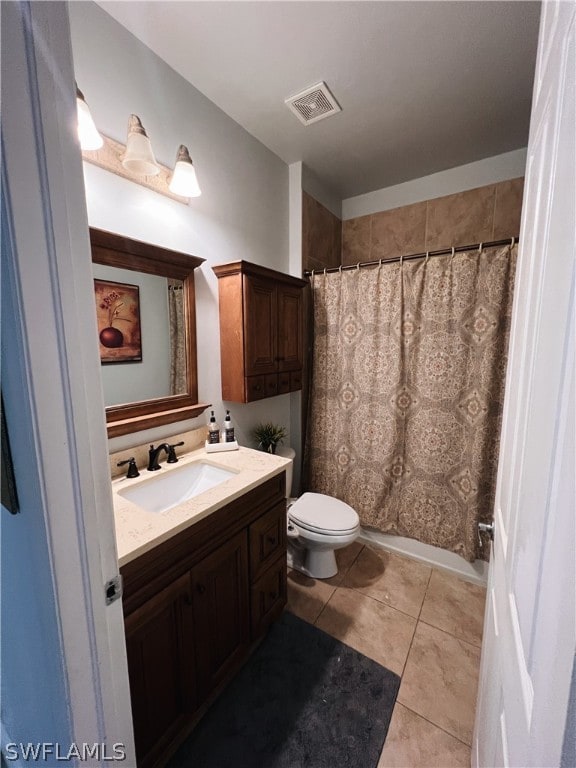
x: 530, y: 634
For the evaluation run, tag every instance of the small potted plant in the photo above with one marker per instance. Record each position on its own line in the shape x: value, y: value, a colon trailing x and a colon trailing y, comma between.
x: 267, y: 436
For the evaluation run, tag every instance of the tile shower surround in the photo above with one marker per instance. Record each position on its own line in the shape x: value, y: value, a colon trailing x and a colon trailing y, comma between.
x: 477, y: 215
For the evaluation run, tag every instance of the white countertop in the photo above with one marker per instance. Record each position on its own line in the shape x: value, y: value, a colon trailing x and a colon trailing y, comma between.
x: 138, y: 531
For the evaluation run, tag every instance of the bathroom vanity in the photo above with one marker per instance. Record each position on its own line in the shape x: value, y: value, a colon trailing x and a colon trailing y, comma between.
x: 202, y: 583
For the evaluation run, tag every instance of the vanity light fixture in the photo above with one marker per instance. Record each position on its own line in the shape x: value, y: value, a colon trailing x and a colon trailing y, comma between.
x: 136, y: 161
x: 183, y: 181
x: 139, y: 158
x: 87, y: 132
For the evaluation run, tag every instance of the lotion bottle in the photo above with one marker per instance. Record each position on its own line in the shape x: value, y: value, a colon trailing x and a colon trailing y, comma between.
x: 228, y: 429
x: 213, y: 430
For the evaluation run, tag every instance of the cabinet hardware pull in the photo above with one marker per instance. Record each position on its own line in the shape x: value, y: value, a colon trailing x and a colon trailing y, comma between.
x: 200, y: 588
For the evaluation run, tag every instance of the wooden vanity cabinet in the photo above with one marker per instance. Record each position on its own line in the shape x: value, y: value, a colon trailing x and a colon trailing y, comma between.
x: 221, y: 612
x: 261, y: 331
x: 194, y: 607
x: 159, y: 636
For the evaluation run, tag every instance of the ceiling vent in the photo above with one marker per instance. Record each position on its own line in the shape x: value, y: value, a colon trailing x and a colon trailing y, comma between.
x: 313, y: 104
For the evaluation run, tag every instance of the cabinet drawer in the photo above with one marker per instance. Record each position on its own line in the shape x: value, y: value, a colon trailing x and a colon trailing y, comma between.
x: 283, y: 383
x: 271, y: 385
x: 255, y: 388
x: 267, y: 537
x: 295, y: 381
x: 268, y: 597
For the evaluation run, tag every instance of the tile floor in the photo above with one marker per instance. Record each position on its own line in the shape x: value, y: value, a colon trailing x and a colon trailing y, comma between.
x: 423, y: 624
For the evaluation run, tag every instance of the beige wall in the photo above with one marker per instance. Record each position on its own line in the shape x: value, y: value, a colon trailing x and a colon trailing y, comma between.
x: 478, y: 215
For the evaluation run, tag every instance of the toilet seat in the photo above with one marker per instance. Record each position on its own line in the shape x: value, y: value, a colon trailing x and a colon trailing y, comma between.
x: 323, y: 514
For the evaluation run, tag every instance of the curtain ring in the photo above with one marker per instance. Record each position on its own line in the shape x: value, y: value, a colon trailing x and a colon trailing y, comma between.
x: 401, y: 259
x: 340, y: 269
x: 312, y: 274
x: 480, y: 248
x: 512, y: 243
x: 427, y: 257
x: 358, y: 267
x: 453, y: 252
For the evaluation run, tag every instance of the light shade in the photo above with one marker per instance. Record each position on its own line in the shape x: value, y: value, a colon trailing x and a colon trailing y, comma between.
x: 88, y: 134
x: 139, y: 158
x: 184, y: 181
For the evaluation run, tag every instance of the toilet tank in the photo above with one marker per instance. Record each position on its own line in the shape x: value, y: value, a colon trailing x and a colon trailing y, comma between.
x: 287, y: 453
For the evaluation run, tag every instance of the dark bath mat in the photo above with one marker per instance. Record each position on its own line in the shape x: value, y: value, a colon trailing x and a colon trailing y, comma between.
x: 303, y: 700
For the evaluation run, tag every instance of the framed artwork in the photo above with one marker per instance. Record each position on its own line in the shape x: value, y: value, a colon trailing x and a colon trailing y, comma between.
x: 118, y: 316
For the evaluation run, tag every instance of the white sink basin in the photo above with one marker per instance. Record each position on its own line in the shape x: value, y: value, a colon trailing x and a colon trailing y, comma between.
x: 167, y: 488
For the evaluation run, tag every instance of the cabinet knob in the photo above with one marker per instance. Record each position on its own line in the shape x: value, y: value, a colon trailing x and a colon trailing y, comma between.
x: 271, y: 540
x: 200, y: 588
x: 257, y: 387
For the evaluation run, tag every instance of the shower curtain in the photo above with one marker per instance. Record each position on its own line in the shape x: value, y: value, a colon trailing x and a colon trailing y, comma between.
x: 406, y: 395
x: 178, y: 383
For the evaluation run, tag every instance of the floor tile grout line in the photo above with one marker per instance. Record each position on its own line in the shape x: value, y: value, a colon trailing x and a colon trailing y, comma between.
x: 408, y: 652
x: 362, y: 548
x: 451, y: 634
x: 381, y: 602
x: 425, y: 594
x: 431, y: 722
x: 324, y: 608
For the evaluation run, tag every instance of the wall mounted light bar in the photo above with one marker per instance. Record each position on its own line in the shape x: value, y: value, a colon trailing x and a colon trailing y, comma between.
x: 135, y: 160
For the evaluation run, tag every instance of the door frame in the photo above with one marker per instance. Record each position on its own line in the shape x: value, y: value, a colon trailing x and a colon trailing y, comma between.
x: 52, y: 371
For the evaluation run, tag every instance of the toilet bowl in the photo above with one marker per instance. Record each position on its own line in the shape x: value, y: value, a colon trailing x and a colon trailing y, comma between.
x: 317, y: 525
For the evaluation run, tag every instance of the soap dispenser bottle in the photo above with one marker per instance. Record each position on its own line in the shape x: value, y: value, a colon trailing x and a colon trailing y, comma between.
x: 213, y: 430
x: 228, y: 429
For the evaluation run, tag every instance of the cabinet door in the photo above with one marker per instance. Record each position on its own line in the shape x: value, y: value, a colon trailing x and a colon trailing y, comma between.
x: 290, y: 329
x: 260, y: 342
x: 221, y: 610
x: 159, y: 644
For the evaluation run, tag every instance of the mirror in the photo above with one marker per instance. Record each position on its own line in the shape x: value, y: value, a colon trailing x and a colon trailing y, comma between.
x: 144, y: 298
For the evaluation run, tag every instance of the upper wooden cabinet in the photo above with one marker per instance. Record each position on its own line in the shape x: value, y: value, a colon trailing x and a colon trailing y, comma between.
x: 261, y: 331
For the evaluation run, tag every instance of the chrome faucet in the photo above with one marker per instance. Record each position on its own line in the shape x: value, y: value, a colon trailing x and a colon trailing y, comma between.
x: 153, y: 454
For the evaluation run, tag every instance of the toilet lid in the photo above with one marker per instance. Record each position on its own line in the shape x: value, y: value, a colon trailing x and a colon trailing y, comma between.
x: 323, y: 514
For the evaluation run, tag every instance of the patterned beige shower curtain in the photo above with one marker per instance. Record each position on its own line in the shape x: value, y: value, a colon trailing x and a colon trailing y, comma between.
x: 178, y: 382
x: 407, y: 386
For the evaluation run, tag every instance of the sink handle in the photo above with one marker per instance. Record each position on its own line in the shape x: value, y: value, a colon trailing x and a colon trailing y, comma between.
x: 132, y: 468
x: 172, y: 458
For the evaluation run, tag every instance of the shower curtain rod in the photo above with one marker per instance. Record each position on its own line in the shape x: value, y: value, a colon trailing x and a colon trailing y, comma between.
x: 459, y: 249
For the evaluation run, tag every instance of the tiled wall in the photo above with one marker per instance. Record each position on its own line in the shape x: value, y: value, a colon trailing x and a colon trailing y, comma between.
x: 321, y: 235
x: 478, y: 215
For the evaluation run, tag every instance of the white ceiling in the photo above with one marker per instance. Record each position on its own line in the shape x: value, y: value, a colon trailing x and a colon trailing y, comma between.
x: 423, y: 86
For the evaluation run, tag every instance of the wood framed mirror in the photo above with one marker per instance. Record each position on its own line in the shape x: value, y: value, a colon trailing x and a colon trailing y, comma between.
x: 122, y: 260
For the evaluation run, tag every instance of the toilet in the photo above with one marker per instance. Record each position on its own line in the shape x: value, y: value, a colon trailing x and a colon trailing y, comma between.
x: 317, y: 526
